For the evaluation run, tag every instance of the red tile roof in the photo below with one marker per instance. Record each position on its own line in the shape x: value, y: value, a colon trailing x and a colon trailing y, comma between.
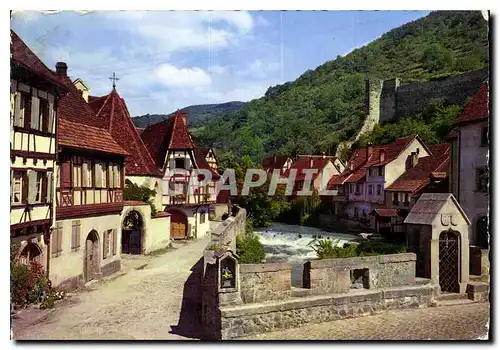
x: 385, y: 212
x: 201, y: 160
x: 113, y: 111
x: 478, y: 108
x: 274, y: 162
x: 417, y: 177
x: 170, y: 134
x: 79, y: 128
x: 23, y: 56
x: 86, y: 137
x: 303, y: 163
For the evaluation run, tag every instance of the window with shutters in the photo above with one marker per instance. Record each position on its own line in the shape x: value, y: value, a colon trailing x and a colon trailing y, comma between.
x: 17, y: 187
x: 107, y: 243
x: 56, y: 240
x: 75, y: 235
x: 77, y: 175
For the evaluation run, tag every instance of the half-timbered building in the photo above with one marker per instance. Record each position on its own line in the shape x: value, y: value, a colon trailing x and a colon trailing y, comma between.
x: 34, y: 94
x: 89, y: 192
x: 172, y: 148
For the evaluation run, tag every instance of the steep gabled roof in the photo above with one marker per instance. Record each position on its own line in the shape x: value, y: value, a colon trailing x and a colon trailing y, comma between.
x: 478, y: 108
x: 274, y: 162
x: 201, y: 161
x: 419, y: 176
x: 79, y: 128
x: 170, y: 134
x: 303, y: 163
x: 114, y: 113
x: 23, y: 56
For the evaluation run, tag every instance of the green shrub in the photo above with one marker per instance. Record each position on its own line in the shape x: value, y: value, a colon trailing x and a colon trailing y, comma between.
x: 249, y: 249
x: 215, y: 247
x: 133, y: 192
x: 379, y: 248
x: 329, y: 249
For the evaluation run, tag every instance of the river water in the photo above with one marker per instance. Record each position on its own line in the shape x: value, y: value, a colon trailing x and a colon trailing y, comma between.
x: 290, y: 243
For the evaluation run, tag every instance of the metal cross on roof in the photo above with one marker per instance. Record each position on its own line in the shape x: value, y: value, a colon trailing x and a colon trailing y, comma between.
x: 114, y: 79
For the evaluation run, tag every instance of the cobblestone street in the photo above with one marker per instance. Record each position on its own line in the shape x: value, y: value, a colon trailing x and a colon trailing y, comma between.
x: 146, y: 303
x: 458, y: 322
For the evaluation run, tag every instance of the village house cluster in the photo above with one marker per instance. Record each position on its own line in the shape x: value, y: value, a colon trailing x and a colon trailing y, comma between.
x: 73, y: 155
x: 378, y: 185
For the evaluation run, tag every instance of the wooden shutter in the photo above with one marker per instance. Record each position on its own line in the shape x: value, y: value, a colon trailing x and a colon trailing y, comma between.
x: 25, y: 187
x: 105, y: 246
x: 115, y: 243
x: 35, y: 111
x: 171, y: 163
x: 50, y: 182
x: 17, y: 110
x: 32, y: 177
x: 52, y: 113
x: 44, y: 188
x: 85, y: 170
x: 111, y: 175
x: 98, y: 175
x: 116, y: 172
x: 66, y: 174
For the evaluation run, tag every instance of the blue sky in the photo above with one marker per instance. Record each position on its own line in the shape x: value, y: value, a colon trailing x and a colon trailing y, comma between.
x: 171, y: 59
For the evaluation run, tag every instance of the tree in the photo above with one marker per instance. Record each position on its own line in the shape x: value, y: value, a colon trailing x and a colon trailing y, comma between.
x: 133, y: 192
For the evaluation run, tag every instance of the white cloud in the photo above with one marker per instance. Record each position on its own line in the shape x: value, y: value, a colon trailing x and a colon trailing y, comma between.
x: 170, y: 75
x: 218, y: 69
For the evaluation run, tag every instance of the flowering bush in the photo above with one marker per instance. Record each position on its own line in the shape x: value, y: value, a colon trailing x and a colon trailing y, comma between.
x: 29, y: 285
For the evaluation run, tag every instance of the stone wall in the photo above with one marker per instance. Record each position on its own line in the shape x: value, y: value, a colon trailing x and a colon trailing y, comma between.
x: 226, y: 232
x: 413, y: 98
x: 243, y: 320
x: 334, y: 275
x: 263, y: 282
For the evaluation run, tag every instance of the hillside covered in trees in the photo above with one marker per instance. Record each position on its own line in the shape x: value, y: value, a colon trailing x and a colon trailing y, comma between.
x: 324, y: 107
x: 197, y: 114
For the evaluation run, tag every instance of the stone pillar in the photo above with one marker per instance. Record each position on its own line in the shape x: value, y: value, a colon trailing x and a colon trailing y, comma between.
x: 434, y: 252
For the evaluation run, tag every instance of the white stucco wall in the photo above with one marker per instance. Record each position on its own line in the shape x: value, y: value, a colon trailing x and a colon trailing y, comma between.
x: 397, y: 167
x: 472, y: 156
x: 152, y: 183
x: 70, y: 263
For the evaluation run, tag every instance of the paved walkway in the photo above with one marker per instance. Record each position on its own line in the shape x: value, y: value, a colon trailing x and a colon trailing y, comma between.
x: 458, y: 322
x: 155, y: 302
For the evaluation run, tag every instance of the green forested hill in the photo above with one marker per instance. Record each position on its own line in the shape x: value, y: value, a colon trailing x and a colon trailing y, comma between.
x: 197, y: 114
x: 324, y: 106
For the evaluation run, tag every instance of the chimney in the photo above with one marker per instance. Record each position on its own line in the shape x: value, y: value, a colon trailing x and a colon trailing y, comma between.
x: 414, y: 159
x: 370, y: 149
x: 381, y: 155
x: 61, y: 69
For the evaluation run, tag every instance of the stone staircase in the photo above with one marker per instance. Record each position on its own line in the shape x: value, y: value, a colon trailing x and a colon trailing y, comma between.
x: 448, y: 299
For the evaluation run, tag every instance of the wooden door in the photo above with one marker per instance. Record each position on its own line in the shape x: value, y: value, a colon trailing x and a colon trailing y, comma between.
x: 178, y: 230
x: 89, y: 260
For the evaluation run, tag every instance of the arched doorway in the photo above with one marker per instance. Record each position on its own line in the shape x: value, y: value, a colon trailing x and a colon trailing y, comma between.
x: 91, y: 256
x: 31, y: 253
x: 132, y: 232
x: 449, y: 255
x: 481, y: 236
x: 178, y: 224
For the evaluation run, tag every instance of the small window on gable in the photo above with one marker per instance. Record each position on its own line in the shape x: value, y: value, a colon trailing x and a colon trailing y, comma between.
x: 179, y: 163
